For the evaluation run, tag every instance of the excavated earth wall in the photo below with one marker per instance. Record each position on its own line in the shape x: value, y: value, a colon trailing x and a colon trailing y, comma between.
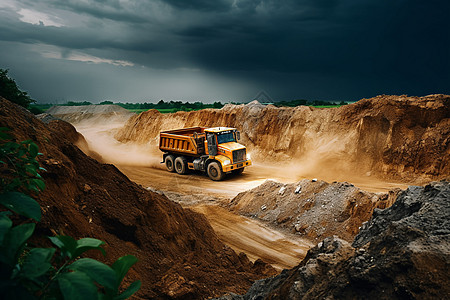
x: 180, y: 256
x: 392, y: 136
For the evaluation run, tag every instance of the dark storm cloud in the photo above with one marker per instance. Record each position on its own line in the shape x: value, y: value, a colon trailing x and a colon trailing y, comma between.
x: 202, y: 5
x: 348, y: 48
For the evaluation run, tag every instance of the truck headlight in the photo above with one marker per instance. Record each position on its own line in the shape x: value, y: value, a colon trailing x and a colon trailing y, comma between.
x: 226, y: 162
x: 248, y: 156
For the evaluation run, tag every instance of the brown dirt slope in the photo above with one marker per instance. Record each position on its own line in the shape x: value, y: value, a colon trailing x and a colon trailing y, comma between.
x: 312, y: 209
x: 179, y: 254
x: 402, y: 253
x: 392, y: 136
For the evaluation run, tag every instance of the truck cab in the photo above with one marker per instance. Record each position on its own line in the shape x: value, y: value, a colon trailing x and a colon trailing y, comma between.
x: 221, y: 144
x: 215, y: 151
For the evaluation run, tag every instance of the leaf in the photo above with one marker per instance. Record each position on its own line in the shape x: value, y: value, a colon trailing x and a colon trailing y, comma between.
x: 97, y: 271
x: 34, y: 149
x: 72, y: 248
x: 77, y: 285
x: 5, y: 224
x: 14, y: 241
x: 37, y: 262
x: 39, y: 183
x: 31, y: 170
x: 21, y: 204
x: 122, y: 265
x: 133, y: 288
x: 86, y: 244
x: 66, y: 243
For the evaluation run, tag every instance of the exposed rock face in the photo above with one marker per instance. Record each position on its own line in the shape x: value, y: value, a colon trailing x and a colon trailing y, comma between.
x: 393, y: 136
x: 313, y: 209
x: 179, y: 254
x: 402, y: 253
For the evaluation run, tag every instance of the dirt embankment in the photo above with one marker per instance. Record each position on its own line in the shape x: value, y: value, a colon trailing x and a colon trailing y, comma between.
x: 96, y: 114
x: 389, y: 136
x: 402, y: 253
x: 179, y: 254
x: 312, y: 209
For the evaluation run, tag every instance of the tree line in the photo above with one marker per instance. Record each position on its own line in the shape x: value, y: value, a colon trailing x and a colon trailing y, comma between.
x: 9, y: 90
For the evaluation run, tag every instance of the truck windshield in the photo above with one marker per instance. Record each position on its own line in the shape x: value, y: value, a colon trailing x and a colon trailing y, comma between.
x: 225, y: 137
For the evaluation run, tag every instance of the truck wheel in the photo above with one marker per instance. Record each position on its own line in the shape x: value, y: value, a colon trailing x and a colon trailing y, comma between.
x: 238, y: 171
x: 215, y: 171
x: 170, y: 163
x: 180, y: 165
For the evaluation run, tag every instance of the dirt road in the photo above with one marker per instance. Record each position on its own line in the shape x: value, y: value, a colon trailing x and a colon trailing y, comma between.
x: 253, y: 238
x: 197, y: 183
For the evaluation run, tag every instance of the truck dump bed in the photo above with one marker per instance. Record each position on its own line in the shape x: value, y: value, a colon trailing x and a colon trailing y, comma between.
x: 188, y: 141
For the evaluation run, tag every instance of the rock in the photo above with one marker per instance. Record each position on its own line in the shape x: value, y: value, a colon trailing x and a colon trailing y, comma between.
x: 87, y: 187
x: 300, y: 228
x: 328, y: 209
x: 46, y: 118
x: 402, y: 253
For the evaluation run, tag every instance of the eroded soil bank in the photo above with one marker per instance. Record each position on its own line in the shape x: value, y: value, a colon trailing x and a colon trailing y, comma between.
x: 395, y: 137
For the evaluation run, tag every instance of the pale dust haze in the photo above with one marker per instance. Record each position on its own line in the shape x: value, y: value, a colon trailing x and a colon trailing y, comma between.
x: 100, y: 138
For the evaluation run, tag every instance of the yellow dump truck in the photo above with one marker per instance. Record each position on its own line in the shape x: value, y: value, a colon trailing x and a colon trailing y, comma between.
x: 211, y: 150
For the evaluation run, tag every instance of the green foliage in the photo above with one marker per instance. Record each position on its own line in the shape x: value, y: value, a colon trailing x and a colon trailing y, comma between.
x: 171, y: 106
x: 72, y: 103
x: 19, y: 165
x: 316, y: 103
x: 46, y: 273
x: 161, y: 106
x: 106, y: 102
x: 9, y: 90
x: 21, y: 204
x: 36, y: 110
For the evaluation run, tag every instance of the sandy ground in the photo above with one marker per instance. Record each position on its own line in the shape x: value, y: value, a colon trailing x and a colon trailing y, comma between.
x: 253, y: 238
x: 141, y: 163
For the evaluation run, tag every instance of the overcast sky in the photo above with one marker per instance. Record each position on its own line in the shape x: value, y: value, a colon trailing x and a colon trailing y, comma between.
x: 227, y: 50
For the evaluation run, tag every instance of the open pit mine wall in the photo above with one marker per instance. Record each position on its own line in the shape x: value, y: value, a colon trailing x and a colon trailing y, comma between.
x: 386, y: 135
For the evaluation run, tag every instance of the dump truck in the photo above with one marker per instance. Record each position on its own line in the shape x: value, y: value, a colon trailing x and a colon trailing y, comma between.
x: 214, y: 151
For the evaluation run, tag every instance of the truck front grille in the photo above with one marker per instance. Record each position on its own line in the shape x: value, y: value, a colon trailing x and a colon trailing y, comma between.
x: 239, y: 155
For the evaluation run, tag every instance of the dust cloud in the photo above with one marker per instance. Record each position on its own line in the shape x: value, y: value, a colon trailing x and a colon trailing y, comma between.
x: 325, y: 159
x: 100, y: 138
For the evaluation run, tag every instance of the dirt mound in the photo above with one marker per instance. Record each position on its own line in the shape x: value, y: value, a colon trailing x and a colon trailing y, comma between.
x: 402, y: 253
x: 314, y: 209
x: 179, y: 254
x: 390, y: 136
x: 92, y: 113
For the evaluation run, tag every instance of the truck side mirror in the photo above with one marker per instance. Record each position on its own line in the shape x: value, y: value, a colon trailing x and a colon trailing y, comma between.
x: 238, y: 135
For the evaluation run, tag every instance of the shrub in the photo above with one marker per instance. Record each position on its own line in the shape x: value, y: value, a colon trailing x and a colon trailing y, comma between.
x: 48, y: 273
x: 10, y: 91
